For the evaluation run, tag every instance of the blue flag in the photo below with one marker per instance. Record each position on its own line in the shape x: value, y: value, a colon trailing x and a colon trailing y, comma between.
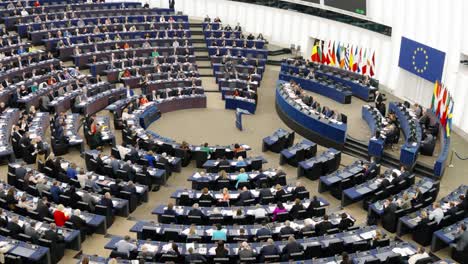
x: 422, y: 60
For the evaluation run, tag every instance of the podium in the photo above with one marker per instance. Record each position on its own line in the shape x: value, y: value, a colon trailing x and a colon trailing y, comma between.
x: 239, y: 113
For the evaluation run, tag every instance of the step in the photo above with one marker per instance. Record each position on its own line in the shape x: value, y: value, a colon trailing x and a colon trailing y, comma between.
x: 201, y: 49
x: 203, y: 67
x: 197, y: 41
x: 204, y: 64
x: 194, y: 24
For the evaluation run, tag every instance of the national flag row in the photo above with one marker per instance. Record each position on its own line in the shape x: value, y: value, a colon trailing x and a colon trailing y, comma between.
x: 351, y: 58
x: 442, y: 106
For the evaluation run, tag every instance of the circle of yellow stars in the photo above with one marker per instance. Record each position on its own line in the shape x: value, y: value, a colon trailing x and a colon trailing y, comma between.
x: 418, y: 68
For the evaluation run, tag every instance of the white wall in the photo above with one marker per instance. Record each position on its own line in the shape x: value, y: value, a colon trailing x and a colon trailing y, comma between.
x: 437, y: 23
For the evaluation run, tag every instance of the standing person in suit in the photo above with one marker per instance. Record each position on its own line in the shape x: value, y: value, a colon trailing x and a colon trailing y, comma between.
x: 389, y: 217
x: 171, y: 4
x: 42, y: 207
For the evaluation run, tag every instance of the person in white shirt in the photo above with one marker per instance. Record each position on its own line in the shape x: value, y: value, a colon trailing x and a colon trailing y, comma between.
x: 420, y: 254
x: 125, y: 246
x: 437, y: 214
x: 259, y: 212
x: 24, y: 12
x: 81, y: 177
x: 125, y: 115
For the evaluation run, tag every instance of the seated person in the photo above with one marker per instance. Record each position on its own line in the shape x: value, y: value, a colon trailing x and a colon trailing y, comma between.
x: 219, y: 233
x: 125, y: 246
x: 291, y: 247
x: 345, y: 222
x: 287, y: 229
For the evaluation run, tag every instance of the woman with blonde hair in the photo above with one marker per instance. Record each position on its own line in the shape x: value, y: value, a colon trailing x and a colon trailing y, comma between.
x: 60, y: 216
x: 225, y: 195
x: 223, y: 175
x: 242, y: 177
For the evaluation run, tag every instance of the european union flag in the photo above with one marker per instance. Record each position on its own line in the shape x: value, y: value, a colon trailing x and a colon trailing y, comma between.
x: 422, y: 60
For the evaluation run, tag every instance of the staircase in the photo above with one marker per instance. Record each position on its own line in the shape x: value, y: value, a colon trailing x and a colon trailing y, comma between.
x: 201, y: 50
x: 358, y: 149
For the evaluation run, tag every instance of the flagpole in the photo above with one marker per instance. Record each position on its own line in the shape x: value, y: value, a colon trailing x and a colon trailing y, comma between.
x: 451, y: 159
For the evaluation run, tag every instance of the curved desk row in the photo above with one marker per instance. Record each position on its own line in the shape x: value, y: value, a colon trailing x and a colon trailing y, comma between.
x: 153, y: 37
x: 37, y: 36
x: 24, y: 28
x: 319, y: 130
x: 350, y: 79
x: 376, y: 145
x: 181, y: 103
x: 10, y: 22
x: 234, y: 102
x: 82, y: 59
x: 412, y: 131
x: 331, y: 91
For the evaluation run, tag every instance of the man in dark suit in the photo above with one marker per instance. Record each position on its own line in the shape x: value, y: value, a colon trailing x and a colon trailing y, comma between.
x: 79, y: 223
x: 322, y: 227
x: 265, y: 192
x: 224, y: 162
x: 287, y: 229
x: 396, y: 178
x: 115, y: 187
x: 196, y: 211
x: 258, y: 179
x: 345, y: 222
x: 55, y: 191
x: 58, y: 245
x: 171, y: 4
x: 42, y: 207
x: 299, y: 189
x: 193, y: 257
x: 21, y: 171
x: 244, y: 195
x: 389, y: 217
x: 107, y: 201
x: 384, y: 182
x: 170, y: 210
x: 268, y: 250
x: 263, y: 231
x: 291, y: 247
x: 14, y: 227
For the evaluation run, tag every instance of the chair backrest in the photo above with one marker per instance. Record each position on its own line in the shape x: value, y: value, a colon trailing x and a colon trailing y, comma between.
x: 167, y: 219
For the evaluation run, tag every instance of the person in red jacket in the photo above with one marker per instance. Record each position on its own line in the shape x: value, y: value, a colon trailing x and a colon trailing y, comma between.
x: 37, y: 4
x: 59, y: 216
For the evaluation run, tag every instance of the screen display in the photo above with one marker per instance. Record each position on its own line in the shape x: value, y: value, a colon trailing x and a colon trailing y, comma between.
x: 355, y: 6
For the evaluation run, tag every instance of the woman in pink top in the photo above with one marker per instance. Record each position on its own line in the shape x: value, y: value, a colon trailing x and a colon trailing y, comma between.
x: 279, y: 209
